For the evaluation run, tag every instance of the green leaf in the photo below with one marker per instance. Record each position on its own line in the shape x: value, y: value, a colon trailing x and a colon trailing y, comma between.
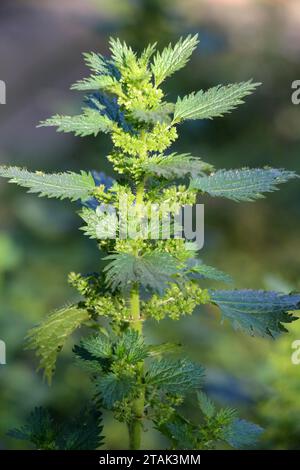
x: 82, y: 433
x: 99, y: 346
x: 157, y: 350
x: 94, y: 354
x: 206, y: 405
x: 48, y: 338
x: 175, y: 376
x: 121, y: 53
x: 95, y: 82
x: 99, y: 224
x: 70, y: 185
x: 96, y: 62
x: 152, y: 270
x: 176, y: 165
x: 114, y: 388
x: 214, y: 102
x: 153, y: 116
x: 90, y: 122
x: 242, y: 185
x: 174, y: 58
x: 147, y: 54
x: 257, y: 312
x: 131, y: 347
x: 39, y: 429
x: 202, y: 271
x: 180, y: 432
x: 242, y: 434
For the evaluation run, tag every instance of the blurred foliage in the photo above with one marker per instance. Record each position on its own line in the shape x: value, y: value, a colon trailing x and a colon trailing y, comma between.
x: 258, y: 245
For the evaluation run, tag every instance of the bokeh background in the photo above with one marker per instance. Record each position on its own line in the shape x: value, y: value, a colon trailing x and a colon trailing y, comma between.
x: 40, y: 55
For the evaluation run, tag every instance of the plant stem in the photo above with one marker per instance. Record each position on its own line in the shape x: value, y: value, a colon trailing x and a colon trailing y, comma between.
x: 135, y: 426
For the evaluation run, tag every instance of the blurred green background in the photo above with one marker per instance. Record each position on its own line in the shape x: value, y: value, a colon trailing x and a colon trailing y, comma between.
x: 40, y: 55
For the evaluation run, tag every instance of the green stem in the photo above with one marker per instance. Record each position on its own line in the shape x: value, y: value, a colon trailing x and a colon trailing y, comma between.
x: 135, y: 425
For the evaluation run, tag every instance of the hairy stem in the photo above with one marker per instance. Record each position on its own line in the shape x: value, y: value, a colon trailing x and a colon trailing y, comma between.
x: 135, y: 425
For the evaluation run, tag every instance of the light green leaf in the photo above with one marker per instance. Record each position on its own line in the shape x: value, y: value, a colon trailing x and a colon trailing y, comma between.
x: 176, y: 165
x: 99, y: 224
x: 214, y: 102
x: 96, y: 62
x: 90, y: 122
x: 153, y: 116
x: 50, y: 336
x: 202, y: 271
x: 69, y: 185
x: 174, y: 58
x: 95, y: 82
x: 242, y: 185
x: 206, y: 405
x: 121, y: 53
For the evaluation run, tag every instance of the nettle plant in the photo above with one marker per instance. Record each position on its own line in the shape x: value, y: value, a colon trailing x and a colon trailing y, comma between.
x: 144, y: 278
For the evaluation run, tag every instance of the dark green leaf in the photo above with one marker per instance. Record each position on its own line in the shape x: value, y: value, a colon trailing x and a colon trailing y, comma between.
x: 114, y: 388
x: 257, y: 312
x: 242, y: 434
x: 153, y: 270
x: 175, y: 376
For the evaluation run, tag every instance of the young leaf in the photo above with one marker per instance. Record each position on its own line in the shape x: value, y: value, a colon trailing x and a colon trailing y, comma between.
x: 114, y: 388
x: 147, y: 54
x: 174, y: 58
x: 49, y: 337
x: 242, y: 434
x: 257, y: 312
x: 206, y: 405
x: 197, y: 270
x: 101, y: 65
x: 175, y: 376
x: 98, y: 346
x: 96, y: 62
x: 176, y: 165
x: 90, y: 122
x: 99, y: 223
x: 121, y: 53
x: 214, y: 102
x: 94, y: 354
x: 131, y: 347
x: 108, y: 106
x: 153, y: 270
x: 242, y: 185
x: 95, y: 82
x: 70, y: 185
x: 153, y: 116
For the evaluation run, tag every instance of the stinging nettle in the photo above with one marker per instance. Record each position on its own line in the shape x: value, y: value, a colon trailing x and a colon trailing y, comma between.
x: 146, y: 278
